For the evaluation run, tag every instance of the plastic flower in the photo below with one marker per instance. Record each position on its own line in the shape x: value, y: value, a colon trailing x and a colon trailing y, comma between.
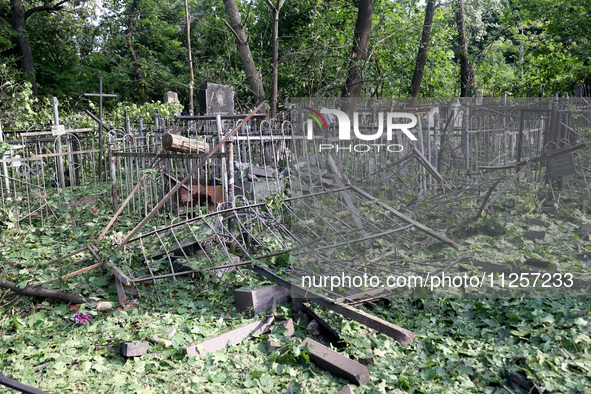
x: 81, y: 318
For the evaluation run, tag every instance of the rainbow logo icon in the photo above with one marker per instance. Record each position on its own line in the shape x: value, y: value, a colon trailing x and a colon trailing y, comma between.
x: 318, y: 118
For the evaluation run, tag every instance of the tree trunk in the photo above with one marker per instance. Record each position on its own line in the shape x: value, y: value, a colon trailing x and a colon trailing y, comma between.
x: 192, y: 83
x: 136, y: 65
x: 178, y: 143
x: 252, y: 75
x: 361, y: 35
x: 417, y: 77
x: 44, y: 293
x: 466, y: 76
x: 354, y: 83
x: 275, y: 60
x: 22, y: 42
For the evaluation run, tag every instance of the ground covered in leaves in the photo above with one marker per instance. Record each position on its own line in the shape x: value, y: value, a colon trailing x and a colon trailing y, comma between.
x: 462, y: 345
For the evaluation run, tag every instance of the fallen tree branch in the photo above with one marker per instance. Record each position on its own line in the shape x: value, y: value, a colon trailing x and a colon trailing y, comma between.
x: 45, y: 293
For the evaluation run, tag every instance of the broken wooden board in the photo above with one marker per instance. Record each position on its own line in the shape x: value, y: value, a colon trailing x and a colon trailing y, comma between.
x: 288, y: 333
x: 259, y: 300
x: 13, y: 384
x: 336, y: 363
x: 326, y: 330
x: 233, y: 337
x: 134, y: 349
x: 400, y: 334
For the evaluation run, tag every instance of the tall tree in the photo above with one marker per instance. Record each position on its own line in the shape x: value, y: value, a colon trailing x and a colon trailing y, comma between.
x: 354, y: 82
x: 421, y: 61
x: 276, y: 8
x: 19, y: 25
x: 189, y: 50
x: 252, y: 74
x: 466, y: 75
x: 136, y: 65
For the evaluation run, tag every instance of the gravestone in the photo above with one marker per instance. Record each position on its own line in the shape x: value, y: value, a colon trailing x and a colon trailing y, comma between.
x: 171, y: 97
x: 479, y: 97
x: 579, y: 90
x: 561, y: 165
x: 215, y: 99
x: 457, y: 114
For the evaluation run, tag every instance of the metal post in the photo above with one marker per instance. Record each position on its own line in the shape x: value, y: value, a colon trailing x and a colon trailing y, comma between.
x: 465, y: 137
x: 224, y: 168
x: 428, y: 141
x: 113, y: 178
x: 141, y: 126
x: 231, y: 172
x: 71, y: 168
x: 566, y: 137
x: 4, y: 165
x: 550, y: 138
x: 59, y: 159
x: 520, y: 136
x: 435, y: 138
x: 100, y: 141
x: 127, y: 126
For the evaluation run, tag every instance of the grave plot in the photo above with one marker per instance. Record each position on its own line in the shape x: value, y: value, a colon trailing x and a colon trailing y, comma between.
x: 41, y: 170
x: 261, y: 221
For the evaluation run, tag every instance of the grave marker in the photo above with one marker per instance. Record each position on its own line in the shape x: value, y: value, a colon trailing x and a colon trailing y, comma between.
x: 215, y: 99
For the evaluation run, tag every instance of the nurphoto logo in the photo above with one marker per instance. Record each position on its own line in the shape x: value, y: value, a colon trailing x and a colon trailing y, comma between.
x: 375, y: 131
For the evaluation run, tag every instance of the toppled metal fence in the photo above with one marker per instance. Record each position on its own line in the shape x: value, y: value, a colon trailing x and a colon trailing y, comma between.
x: 212, y: 194
x: 218, y: 201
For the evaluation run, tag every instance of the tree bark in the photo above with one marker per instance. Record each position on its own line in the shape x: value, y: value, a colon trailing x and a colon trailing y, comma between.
x: 421, y: 61
x: 354, y: 82
x: 192, y: 83
x: 275, y: 60
x: 253, y: 77
x: 466, y: 76
x: 136, y: 65
x: 45, y: 293
x: 178, y: 143
x: 22, y: 42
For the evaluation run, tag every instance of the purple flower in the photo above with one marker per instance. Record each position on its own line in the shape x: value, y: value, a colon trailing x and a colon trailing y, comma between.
x: 80, y: 318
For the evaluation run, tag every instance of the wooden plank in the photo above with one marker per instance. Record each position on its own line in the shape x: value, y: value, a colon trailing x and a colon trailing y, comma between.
x: 400, y: 334
x: 127, y: 200
x: 331, y: 334
x: 23, y: 388
x: 134, y: 349
x: 124, y: 279
x: 80, y: 271
x: 259, y: 300
x: 120, y: 292
x: 233, y: 337
x: 336, y: 363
